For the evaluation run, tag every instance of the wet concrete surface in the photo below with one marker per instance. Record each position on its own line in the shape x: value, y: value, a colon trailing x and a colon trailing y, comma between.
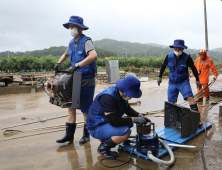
x: 42, y: 152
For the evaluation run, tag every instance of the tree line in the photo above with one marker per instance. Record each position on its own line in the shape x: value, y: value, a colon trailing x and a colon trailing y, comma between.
x: 29, y: 63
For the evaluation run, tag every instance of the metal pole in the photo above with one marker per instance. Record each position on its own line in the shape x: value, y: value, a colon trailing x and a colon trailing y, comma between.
x: 205, y: 20
x: 220, y: 109
x: 183, y: 146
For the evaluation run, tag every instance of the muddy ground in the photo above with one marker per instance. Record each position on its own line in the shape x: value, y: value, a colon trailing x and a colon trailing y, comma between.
x: 42, y: 152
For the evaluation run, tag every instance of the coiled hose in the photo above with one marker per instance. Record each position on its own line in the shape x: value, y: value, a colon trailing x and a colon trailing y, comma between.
x: 161, y: 162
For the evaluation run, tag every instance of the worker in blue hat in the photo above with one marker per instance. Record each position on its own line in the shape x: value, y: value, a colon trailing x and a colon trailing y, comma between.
x: 105, y: 121
x: 82, y: 54
x: 178, y: 63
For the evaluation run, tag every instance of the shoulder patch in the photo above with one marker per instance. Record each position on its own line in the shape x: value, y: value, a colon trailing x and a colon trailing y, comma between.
x: 212, y: 62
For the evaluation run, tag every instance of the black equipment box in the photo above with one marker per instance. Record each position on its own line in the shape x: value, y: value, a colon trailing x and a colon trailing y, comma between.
x: 182, y: 119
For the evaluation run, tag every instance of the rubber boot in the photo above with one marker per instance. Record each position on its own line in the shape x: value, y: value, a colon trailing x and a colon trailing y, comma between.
x: 69, y: 136
x: 104, y: 147
x: 85, y: 136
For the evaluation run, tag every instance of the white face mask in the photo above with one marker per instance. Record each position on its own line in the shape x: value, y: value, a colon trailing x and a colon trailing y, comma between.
x: 74, y: 32
x: 178, y: 53
x: 127, y: 98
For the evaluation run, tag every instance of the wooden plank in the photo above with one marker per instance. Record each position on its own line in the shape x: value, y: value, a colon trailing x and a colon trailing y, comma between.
x: 13, y: 85
x: 18, y: 80
x: 3, y: 76
x: 29, y: 82
x: 6, y: 80
x: 2, y: 84
x: 29, y: 79
x: 27, y: 76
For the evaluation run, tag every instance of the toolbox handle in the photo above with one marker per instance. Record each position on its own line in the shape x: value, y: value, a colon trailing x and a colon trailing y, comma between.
x: 153, y: 126
x: 62, y: 71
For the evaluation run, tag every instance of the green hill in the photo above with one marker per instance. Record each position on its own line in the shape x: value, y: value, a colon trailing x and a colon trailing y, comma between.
x: 109, y: 47
x: 123, y: 48
x: 217, y: 49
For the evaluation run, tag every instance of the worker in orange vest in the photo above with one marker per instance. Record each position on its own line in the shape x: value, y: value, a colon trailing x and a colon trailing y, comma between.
x: 203, y: 64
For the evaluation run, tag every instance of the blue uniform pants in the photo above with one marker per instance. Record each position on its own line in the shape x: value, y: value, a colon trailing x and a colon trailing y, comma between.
x: 183, y: 87
x: 86, y: 98
x: 106, y: 131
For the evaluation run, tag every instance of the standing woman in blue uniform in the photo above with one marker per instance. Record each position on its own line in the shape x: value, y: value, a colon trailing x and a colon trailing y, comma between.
x: 82, y: 55
x: 105, y: 121
x: 178, y: 63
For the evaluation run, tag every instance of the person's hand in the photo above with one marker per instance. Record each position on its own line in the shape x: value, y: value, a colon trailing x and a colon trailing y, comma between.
x: 72, y: 69
x: 198, y: 84
x: 57, y: 67
x: 191, y: 75
x: 159, y: 80
x: 139, y: 120
x: 215, y: 78
x: 147, y: 120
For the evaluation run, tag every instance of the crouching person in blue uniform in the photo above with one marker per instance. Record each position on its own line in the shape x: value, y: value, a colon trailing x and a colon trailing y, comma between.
x: 82, y: 55
x: 178, y: 63
x: 105, y: 121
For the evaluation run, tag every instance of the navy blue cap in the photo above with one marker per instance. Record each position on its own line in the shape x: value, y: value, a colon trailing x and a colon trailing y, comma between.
x: 77, y: 21
x: 178, y: 43
x: 130, y: 86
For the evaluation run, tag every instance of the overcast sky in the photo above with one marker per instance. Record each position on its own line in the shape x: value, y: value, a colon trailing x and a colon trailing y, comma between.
x: 27, y: 25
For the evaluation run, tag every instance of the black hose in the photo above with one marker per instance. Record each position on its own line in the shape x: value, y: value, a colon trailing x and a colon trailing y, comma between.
x: 205, y: 132
x: 125, y: 162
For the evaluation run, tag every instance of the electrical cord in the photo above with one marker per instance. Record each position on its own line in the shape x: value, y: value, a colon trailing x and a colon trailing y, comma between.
x: 125, y: 162
x: 205, y: 132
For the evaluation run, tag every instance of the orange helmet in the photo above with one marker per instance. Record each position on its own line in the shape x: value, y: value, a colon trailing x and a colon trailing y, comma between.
x: 202, y: 52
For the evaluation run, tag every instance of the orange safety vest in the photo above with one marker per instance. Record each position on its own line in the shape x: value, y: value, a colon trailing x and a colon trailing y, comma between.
x: 204, y: 66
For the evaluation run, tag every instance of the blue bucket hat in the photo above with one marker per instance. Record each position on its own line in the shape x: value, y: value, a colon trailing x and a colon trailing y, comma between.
x: 77, y: 21
x: 130, y: 86
x: 178, y: 43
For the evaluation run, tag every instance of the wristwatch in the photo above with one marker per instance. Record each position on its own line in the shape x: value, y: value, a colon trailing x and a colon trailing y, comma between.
x: 77, y: 65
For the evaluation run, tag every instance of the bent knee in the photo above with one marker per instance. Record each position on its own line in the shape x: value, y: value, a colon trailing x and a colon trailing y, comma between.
x: 190, y: 98
x: 127, y: 136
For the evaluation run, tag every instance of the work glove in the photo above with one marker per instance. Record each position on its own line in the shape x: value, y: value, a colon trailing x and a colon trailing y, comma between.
x: 139, y: 120
x: 147, y: 120
x: 57, y: 67
x: 159, y: 80
x: 215, y: 78
x: 198, y: 84
x: 72, y: 69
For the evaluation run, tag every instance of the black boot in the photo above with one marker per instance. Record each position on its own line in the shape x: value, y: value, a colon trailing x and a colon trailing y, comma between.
x: 104, y: 147
x: 69, y: 136
x: 85, y: 136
